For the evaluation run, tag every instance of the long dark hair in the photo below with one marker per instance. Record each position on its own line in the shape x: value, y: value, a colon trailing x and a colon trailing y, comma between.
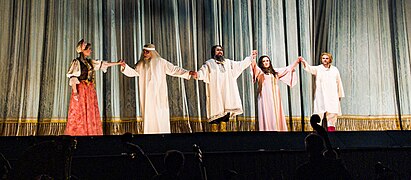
x: 268, y: 70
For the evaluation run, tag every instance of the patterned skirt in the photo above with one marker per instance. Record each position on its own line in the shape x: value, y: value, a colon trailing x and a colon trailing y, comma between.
x: 84, y: 115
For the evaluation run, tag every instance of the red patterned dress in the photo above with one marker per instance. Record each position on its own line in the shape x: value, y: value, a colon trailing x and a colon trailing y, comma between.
x: 84, y: 115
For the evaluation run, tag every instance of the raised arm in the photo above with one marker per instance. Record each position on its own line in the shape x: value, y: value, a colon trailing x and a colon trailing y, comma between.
x: 290, y: 68
x: 256, y: 72
x: 308, y: 67
x: 239, y: 66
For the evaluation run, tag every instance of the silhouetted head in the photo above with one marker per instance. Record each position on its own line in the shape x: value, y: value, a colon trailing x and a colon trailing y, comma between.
x: 314, y: 144
x: 174, y: 161
x: 230, y: 174
x: 315, y: 118
x: 127, y: 137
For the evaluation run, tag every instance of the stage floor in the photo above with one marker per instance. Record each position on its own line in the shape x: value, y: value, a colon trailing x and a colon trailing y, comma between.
x: 254, y: 155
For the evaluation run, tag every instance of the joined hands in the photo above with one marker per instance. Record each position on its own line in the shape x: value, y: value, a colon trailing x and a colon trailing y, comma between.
x: 122, y: 63
x: 193, y: 74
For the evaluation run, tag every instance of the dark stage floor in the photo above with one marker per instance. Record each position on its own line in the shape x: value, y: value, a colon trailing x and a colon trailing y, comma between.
x: 253, y: 155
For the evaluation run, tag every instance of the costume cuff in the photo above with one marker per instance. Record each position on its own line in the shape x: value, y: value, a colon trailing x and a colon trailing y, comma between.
x: 74, y: 81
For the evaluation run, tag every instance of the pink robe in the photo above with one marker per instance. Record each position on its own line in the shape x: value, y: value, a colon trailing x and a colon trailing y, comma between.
x: 270, y: 109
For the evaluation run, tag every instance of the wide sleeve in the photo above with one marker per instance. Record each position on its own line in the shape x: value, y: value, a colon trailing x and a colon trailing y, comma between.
x: 100, y: 65
x: 255, y: 72
x: 340, y: 86
x: 175, y: 70
x: 74, y: 72
x: 130, y: 72
x: 290, y: 77
x: 239, y: 66
x: 309, y: 68
x: 204, y: 73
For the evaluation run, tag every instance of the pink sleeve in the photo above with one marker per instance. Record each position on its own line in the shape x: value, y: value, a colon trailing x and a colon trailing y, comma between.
x: 290, y: 78
x: 255, y: 72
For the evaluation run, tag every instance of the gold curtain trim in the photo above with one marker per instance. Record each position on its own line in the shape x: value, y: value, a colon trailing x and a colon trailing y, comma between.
x: 181, y: 124
x: 359, y: 123
x: 203, y: 119
x: 119, y: 120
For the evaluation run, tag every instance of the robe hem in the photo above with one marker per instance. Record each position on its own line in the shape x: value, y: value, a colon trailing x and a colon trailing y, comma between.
x: 233, y: 112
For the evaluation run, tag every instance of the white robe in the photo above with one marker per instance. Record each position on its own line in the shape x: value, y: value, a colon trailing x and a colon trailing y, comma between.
x: 153, y: 92
x: 221, y: 87
x: 328, y: 90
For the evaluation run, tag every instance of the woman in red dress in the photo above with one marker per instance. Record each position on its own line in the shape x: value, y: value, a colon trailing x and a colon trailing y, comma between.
x: 84, y: 115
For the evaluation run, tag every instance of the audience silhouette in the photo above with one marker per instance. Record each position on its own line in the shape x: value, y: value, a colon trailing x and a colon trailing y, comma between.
x: 174, y: 163
x: 4, y: 167
x: 320, y: 166
x: 383, y: 172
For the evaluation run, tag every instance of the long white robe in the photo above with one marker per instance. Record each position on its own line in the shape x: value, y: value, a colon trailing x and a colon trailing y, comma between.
x: 328, y: 90
x: 221, y: 87
x: 153, y: 92
x: 270, y: 108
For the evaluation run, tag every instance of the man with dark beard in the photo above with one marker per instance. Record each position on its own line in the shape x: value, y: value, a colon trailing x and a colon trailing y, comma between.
x: 223, y: 97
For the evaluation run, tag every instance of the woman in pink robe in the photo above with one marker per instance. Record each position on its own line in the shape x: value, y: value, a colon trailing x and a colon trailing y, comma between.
x: 270, y: 109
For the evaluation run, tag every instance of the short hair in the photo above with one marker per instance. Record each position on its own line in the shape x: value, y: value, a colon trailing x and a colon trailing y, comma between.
x: 328, y: 54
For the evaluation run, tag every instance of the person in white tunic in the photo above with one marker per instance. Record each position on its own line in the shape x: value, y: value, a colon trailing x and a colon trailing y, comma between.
x: 328, y: 91
x: 223, y: 98
x: 270, y: 109
x: 152, y: 71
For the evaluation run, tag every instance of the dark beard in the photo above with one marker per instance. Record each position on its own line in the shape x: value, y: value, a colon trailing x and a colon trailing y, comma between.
x: 219, y: 58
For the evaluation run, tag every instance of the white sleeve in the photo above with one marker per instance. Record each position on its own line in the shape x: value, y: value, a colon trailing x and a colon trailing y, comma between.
x: 309, y: 68
x: 340, y: 86
x: 74, y: 72
x: 129, y: 72
x: 239, y: 66
x: 204, y: 73
x: 100, y: 65
x: 175, y: 70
